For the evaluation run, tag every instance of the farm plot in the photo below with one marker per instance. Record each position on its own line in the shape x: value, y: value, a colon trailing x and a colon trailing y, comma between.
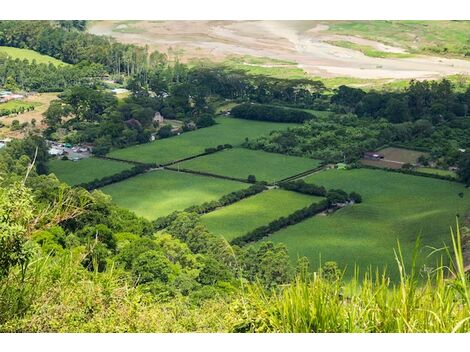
x: 395, y: 158
x: 30, y: 55
x: 440, y: 172
x: 85, y: 170
x: 396, y: 207
x: 159, y: 193
x: 240, y: 163
x: 239, y: 218
x: 226, y: 131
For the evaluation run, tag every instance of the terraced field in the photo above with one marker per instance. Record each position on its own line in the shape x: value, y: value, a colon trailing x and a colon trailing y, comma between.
x: 159, y: 193
x: 395, y: 207
x: 239, y: 218
x: 227, y: 131
x: 85, y: 170
x: 240, y: 163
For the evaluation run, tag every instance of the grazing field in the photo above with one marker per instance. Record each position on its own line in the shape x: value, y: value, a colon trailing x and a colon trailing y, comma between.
x: 85, y: 170
x: 226, y: 131
x: 395, y: 207
x: 30, y: 55
x: 239, y: 218
x: 240, y: 163
x: 430, y: 170
x: 159, y: 193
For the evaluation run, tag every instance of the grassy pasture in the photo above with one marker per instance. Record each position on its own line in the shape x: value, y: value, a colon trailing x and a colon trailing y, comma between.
x: 237, y: 219
x: 85, y: 170
x: 368, y: 50
x: 30, y: 55
x: 226, y: 131
x: 430, y: 170
x: 159, y: 193
x: 241, y: 162
x: 395, y: 207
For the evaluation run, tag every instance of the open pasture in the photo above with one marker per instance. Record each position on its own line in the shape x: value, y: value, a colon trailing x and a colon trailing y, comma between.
x: 396, y: 207
x: 159, y: 193
x: 226, y: 131
x: 30, y: 55
x: 241, y: 162
x: 246, y: 215
x: 85, y: 170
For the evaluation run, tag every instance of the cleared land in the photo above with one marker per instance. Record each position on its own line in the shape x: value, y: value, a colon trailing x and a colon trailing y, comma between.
x: 395, y: 207
x: 394, y: 158
x: 159, y: 193
x: 226, y: 131
x: 240, y: 163
x: 85, y: 170
x: 30, y: 55
x: 239, y: 218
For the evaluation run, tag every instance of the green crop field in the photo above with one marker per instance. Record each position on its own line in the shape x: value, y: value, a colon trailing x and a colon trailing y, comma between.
x: 240, y: 163
x: 85, y: 170
x: 239, y: 218
x: 395, y: 207
x: 430, y: 170
x: 226, y: 131
x: 159, y: 193
x: 30, y: 55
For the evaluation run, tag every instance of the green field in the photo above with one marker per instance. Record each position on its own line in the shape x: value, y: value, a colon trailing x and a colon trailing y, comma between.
x: 368, y: 50
x: 395, y: 207
x: 239, y: 218
x: 30, y: 55
x: 16, y: 104
x: 240, y: 163
x: 85, y: 170
x: 159, y: 193
x: 442, y: 37
x: 226, y: 131
x: 430, y: 170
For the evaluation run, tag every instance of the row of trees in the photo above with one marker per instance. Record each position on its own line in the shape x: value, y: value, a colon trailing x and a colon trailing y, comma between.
x: 269, y: 113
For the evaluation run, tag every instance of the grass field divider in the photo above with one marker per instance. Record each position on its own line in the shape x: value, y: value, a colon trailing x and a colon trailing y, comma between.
x: 410, y: 172
x: 208, y: 207
x: 121, y: 176
x: 208, y: 151
x: 301, y: 174
x: 123, y: 160
x: 207, y: 174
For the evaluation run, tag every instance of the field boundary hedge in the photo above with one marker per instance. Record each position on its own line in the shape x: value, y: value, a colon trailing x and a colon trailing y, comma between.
x: 301, y: 174
x: 124, y: 160
x: 208, y: 207
x: 208, y: 151
x: 201, y: 173
x: 121, y: 176
x: 410, y: 172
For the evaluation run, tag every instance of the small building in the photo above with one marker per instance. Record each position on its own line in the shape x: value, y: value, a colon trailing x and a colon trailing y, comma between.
x: 55, y: 151
x: 373, y: 156
x: 158, y: 118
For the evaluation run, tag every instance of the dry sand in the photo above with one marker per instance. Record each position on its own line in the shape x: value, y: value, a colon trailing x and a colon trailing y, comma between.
x: 304, y: 42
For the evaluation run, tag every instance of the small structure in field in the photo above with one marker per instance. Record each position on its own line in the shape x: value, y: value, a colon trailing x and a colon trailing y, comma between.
x: 373, y: 156
x: 158, y: 118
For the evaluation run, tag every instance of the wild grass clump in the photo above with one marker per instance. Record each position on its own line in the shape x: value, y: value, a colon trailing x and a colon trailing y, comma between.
x: 316, y: 303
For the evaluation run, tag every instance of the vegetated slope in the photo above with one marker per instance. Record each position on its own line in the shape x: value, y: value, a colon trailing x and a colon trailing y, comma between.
x: 159, y: 193
x: 226, y: 131
x: 85, y: 170
x: 395, y: 207
x: 246, y: 215
x: 240, y: 163
x: 30, y: 55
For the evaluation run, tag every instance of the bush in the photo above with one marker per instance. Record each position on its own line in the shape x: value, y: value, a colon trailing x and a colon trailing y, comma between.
x: 269, y: 113
x: 251, y: 178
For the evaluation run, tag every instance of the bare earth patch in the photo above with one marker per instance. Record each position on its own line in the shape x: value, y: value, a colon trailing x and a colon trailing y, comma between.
x: 303, y: 42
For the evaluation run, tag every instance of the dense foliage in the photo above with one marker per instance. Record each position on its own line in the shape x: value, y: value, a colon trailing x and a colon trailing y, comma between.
x: 269, y: 113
